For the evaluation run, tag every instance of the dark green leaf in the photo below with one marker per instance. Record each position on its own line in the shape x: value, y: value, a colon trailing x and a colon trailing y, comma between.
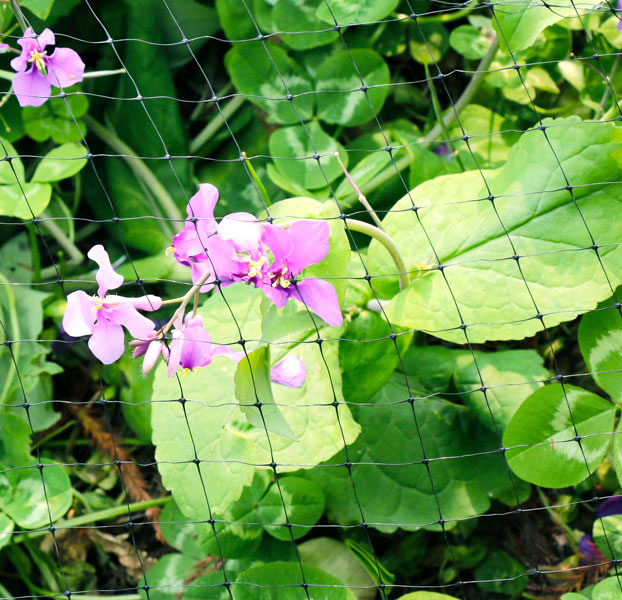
x: 500, y: 566
x: 299, y: 16
x: 235, y: 20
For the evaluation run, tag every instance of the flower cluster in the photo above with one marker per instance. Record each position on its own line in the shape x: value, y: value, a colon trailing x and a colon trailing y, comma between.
x: 37, y: 71
x: 239, y: 249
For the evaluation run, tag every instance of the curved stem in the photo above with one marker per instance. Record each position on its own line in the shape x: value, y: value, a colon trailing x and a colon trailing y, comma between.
x: 17, y: 11
x: 387, y: 241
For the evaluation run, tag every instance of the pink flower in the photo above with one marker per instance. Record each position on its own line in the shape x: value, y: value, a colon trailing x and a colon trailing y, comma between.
x: 103, y: 317
x: 302, y: 244
x: 37, y: 72
x: 619, y: 10
x: 4, y: 48
x: 290, y: 371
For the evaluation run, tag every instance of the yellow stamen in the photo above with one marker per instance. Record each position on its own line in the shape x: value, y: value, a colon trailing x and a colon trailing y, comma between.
x: 280, y: 279
x: 170, y: 250
x: 99, y: 304
x: 254, y: 266
x: 37, y: 57
x: 185, y: 372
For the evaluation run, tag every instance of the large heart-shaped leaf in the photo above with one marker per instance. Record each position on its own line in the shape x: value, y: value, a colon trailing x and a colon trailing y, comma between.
x: 559, y: 276
x: 540, y: 438
x: 298, y: 17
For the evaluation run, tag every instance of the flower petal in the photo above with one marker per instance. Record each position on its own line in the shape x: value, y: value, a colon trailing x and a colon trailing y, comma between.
x: 175, y: 352
x: 279, y: 241
x: 290, y: 371
x: 106, y: 276
x: 31, y: 88
x: 320, y: 297
x: 197, y: 347
x: 201, y: 205
x: 244, y: 230
x: 277, y: 294
x: 65, y: 67
x: 310, y: 240
x: 227, y: 351
x: 154, y: 351
x: 45, y: 38
x: 148, y: 302
x: 125, y: 314
x: 107, y: 342
x: 79, y: 317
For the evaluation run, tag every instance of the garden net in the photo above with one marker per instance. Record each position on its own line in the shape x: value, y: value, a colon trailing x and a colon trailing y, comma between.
x: 454, y: 435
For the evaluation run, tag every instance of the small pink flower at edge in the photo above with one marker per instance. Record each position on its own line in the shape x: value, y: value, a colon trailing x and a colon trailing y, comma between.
x: 103, y: 317
x: 37, y: 72
x: 290, y: 371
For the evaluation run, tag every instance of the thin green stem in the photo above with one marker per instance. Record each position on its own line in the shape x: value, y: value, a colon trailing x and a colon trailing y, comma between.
x: 17, y: 11
x: 216, y: 122
x: 36, y: 255
x: 103, y: 73
x: 404, y: 162
x: 59, y: 235
x: 99, y: 515
x: 138, y: 166
x: 608, y: 86
x: 262, y: 189
x: 573, y: 540
x: 387, y: 241
x: 10, y: 335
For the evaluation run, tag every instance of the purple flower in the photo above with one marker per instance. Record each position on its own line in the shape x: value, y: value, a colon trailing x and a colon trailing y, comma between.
x: 103, y: 317
x: 302, y: 244
x: 37, y: 72
x: 611, y: 506
x: 290, y: 371
x: 620, y: 10
x: 589, y: 550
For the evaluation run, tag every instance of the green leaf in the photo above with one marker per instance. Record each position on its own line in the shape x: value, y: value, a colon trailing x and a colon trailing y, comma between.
x: 600, y: 340
x: 252, y: 72
x: 235, y: 20
x: 6, y: 528
x: 500, y: 566
x: 388, y: 456
x: 39, y: 8
x: 166, y: 578
x: 26, y: 201
x: 469, y: 41
x: 336, y: 559
x: 28, y: 503
x: 470, y: 240
x: 299, y: 16
x: 303, y: 501
x: 607, y: 589
x: 367, y: 355
x: 55, y: 119
x: 180, y: 533
x: 377, y: 571
x: 428, y: 42
x: 544, y: 428
x: 426, y: 596
x: 284, y: 579
x: 292, y: 149
x: 15, y: 441
x: 607, y: 533
x: 60, y: 163
x: 285, y: 183
x: 519, y: 25
x: 355, y: 11
x: 365, y: 171
x: 252, y: 385
x: 510, y: 376
x: 340, y: 100
x: 11, y: 172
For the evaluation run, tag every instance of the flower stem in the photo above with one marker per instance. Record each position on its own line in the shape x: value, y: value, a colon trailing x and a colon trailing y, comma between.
x: 218, y: 120
x: 59, y: 235
x: 99, y: 515
x: 138, y: 166
x: 387, y: 241
x: 361, y: 198
x: 262, y: 189
x: 105, y: 73
x: 17, y: 11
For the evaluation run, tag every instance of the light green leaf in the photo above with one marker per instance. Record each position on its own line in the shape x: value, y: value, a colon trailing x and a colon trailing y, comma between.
x: 510, y: 376
x: 340, y: 100
x: 6, y: 528
x: 600, y: 340
x: 469, y: 41
x: 355, y: 11
x: 364, y: 172
x: 607, y: 589
x: 28, y: 504
x: 235, y: 20
x: 470, y: 240
x: 426, y: 596
x: 60, y: 163
x: 388, y: 453
x: 428, y: 42
x: 336, y: 559
x: 520, y: 23
x: 283, y: 581
x: 544, y: 429
x: 573, y: 72
x: 304, y: 503
x: 607, y: 533
x: 39, y: 8
x: 252, y: 385
x: 179, y: 532
x: 292, y: 149
x: 285, y: 183
x: 25, y: 201
x: 166, y: 578
x: 299, y: 16
x: 253, y: 74
x: 11, y: 172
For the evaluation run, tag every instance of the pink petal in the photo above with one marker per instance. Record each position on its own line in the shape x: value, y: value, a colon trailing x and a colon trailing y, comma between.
x: 278, y: 295
x: 107, y: 342
x: 148, y: 302
x: 45, y: 38
x: 65, y: 68
x: 320, y: 297
x: 201, y: 205
x: 125, y: 314
x: 175, y: 352
x: 79, y: 317
x: 20, y: 63
x: 4, y: 48
x: 197, y: 347
x: 279, y: 241
x: 154, y: 352
x: 310, y: 239
x: 290, y: 371
x: 106, y: 276
x: 228, y: 352
x: 31, y: 88
x: 243, y: 229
